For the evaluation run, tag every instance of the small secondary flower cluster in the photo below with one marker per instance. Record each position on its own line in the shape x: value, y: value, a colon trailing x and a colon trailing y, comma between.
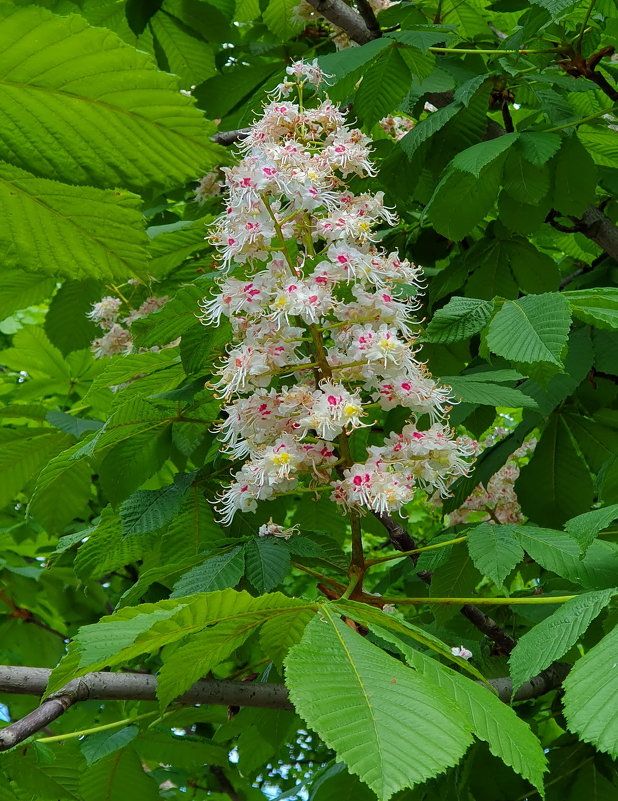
x: 495, y: 502
x: 321, y: 320
x: 108, y: 314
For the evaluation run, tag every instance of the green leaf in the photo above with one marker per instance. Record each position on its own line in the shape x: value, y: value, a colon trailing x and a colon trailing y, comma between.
x: 280, y: 18
x: 72, y: 302
x: 386, y: 81
x: 216, y: 573
x: 608, y: 481
x: 559, y: 468
x: 75, y: 426
x: 267, y: 562
x: 176, y: 317
x: 508, y: 736
x: 18, y: 290
x: 474, y: 159
x: 575, y: 178
x: 584, y: 528
x: 70, y: 230
x: 117, y: 777
x: 147, y: 510
x: 378, y: 704
x: 598, y: 307
x: 558, y: 552
x: 188, y: 57
x: 494, y: 551
x: 344, y: 62
x: 523, y: 181
x: 106, y: 549
x: 480, y: 194
x: 96, y: 111
x: 23, y: 452
x: 458, y: 319
x: 457, y: 577
x: 488, y: 394
x: 552, y: 637
x: 538, y: 147
x: 555, y: 7
x: 590, y: 692
x: 66, y: 478
x: 531, y: 329
x: 205, y: 650
x: 99, y: 745
x: 280, y: 633
x: 164, y: 574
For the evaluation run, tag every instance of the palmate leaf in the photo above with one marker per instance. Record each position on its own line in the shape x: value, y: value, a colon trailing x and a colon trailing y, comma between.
x: 364, y: 704
x: 117, y: 777
x: 509, y: 738
x: 598, y: 307
x: 208, y: 648
x: 65, y: 478
x: 215, y: 573
x: 79, y: 105
x: 70, y: 230
x: 145, y: 628
x: 23, y: 452
x: 267, y: 562
x: 552, y: 637
x: 494, y: 551
x: 188, y: 57
x: 560, y: 553
x: 531, y: 329
x: 386, y: 82
x: 147, y: 510
x: 584, y: 528
x: 458, y: 319
x: 560, y: 469
x: 590, y: 692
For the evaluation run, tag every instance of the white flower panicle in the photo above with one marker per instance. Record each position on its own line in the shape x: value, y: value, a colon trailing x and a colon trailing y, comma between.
x: 109, y: 316
x: 321, y: 315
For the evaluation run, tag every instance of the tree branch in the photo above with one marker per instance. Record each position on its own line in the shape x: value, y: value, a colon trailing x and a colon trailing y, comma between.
x: 142, y: 687
x: 229, y: 137
x: 344, y: 17
x: 489, y: 628
x: 367, y: 13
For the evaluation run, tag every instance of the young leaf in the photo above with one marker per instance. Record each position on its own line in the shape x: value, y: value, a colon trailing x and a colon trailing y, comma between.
x: 531, y: 329
x: 494, y: 551
x: 590, y: 692
x: 364, y: 704
x: 553, y: 636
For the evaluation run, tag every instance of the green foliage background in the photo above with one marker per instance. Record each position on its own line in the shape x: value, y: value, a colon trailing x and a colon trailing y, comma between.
x: 107, y: 465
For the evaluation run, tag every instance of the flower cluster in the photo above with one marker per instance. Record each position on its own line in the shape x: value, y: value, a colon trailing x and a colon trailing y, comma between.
x: 323, y: 333
x: 109, y: 315
x: 495, y: 502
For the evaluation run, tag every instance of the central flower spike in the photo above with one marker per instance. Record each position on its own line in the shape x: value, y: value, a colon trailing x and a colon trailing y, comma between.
x: 321, y: 318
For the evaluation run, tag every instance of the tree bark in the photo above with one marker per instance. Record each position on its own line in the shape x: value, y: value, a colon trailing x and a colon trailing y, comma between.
x: 142, y: 687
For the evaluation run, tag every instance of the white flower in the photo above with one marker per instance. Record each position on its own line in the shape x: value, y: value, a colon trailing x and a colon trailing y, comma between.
x: 461, y: 652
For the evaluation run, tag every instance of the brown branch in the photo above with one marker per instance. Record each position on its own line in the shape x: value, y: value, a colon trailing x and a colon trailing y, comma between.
x: 225, y: 784
x: 340, y: 14
x: 402, y: 541
x: 229, y: 137
x: 489, y: 628
x: 369, y: 17
x: 399, y: 537
x: 142, y: 687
